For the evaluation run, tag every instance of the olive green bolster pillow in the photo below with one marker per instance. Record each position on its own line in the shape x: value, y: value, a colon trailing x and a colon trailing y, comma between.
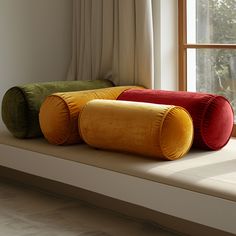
x: 21, y: 104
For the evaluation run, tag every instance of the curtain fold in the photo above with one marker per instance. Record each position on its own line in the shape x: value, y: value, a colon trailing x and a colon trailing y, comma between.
x: 113, y: 39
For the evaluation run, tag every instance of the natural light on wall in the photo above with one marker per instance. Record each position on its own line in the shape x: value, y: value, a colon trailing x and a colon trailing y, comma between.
x: 212, y: 69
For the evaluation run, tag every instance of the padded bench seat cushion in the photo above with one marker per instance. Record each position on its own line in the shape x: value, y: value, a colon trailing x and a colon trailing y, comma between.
x: 212, y: 114
x: 21, y: 104
x: 211, y: 173
x: 59, y: 113
x: 158, y: 131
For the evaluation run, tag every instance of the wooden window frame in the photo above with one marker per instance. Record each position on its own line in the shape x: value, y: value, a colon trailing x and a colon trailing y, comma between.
x: 183, y: 46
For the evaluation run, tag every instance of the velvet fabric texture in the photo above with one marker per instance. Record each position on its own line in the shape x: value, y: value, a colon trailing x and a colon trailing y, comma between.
x: 59, y: 113
x: 212, y: 114
x: 21, y: 104
x: 158, y: 131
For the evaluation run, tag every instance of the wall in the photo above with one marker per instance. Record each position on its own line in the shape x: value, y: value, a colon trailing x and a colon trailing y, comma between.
x: 166, y: 50
x: 35, y: 41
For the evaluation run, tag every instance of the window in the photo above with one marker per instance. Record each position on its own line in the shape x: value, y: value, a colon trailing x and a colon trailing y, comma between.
x: 207, y: 47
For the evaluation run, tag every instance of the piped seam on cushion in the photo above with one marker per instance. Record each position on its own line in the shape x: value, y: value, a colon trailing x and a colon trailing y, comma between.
x: 160, y: 132
x: 79, y: 121
x: 163, y: 120
x: 5, y: 122
x: 69, y: 118
x: 192, y: 138
x: 199, y: 124
x: 202, y: 126
x: 27, y: 113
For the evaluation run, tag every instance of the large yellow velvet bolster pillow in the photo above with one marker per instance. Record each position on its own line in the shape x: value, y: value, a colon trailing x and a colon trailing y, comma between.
x: 159, y: 131
x: 59, y: 112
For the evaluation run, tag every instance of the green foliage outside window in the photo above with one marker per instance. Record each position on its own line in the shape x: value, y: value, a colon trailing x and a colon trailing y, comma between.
x: 216, y: 68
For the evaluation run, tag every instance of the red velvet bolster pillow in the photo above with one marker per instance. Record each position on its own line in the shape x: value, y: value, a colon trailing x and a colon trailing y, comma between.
x: 212, y: 115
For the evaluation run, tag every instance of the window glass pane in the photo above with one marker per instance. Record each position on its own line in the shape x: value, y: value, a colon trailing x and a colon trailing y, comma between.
x: 213, y: 71
x: 211, y: 21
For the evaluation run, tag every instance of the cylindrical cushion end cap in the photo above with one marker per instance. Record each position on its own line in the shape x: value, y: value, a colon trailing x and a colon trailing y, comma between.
x: 15, y: 112
x: 217, y: 124
x: 176, y: 133
x: 54, y: 118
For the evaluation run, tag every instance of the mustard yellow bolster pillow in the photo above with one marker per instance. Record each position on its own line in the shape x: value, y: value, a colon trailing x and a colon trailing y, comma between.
x: 159, y: 131
x: 58, y: 116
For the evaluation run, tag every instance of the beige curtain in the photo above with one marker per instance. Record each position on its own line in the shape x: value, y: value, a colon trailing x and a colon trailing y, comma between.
x: 113, y: 39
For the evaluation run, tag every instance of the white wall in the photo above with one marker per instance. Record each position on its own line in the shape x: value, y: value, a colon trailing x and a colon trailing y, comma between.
x: 35, y: 41
x: 166, y: 39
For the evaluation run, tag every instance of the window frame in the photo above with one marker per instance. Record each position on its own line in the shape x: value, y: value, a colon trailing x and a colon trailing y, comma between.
x: 184, y: 46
